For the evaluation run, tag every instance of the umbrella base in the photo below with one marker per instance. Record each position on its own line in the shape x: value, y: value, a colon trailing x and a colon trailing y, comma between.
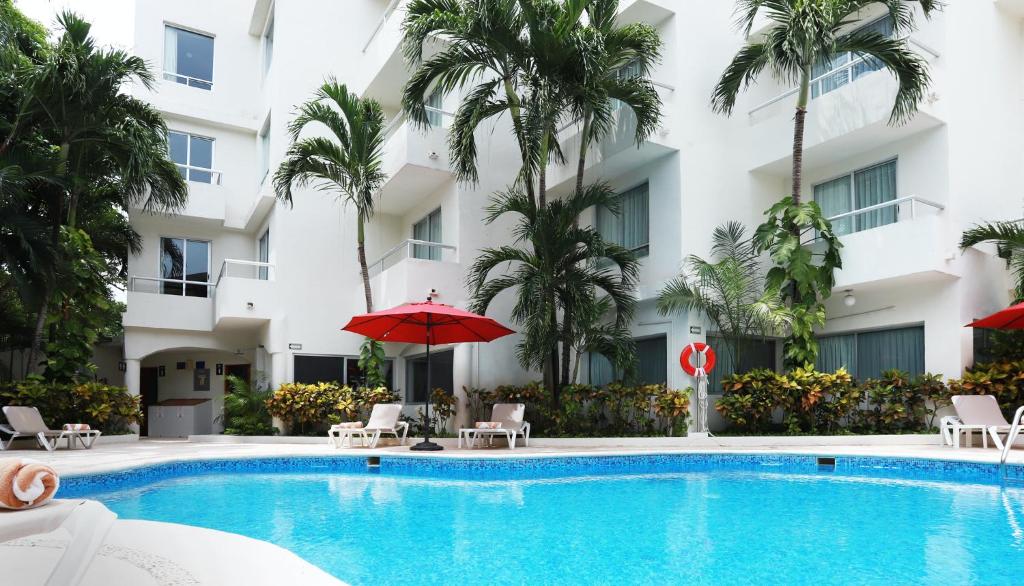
x: 426, y: 446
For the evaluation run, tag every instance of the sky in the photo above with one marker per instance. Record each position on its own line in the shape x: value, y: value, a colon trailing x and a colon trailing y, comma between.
x: 112, y: 21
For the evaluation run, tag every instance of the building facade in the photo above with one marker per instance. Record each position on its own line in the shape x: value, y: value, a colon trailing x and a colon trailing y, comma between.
x: 239, y: 283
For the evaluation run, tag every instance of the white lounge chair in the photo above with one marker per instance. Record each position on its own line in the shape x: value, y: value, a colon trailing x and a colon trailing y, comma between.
x: 6, y: 429
x: 88, y: 522
x: 27, y: 422
x: 510, y: 417
x: 976, y: 413
x: 383, y: 421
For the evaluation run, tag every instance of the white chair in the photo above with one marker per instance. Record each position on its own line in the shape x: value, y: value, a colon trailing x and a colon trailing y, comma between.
x: 6, y: 429
x: 27, y: 422
x: 383, y: 421
x: 510, y: 417
x: 88, y: 522
x: 979, y: 413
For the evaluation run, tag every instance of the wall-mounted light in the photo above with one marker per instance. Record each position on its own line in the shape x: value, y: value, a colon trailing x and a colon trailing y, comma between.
x: 433, y: 294
x: 250, y: 306
x: 849, y: 300
x: 432, y: 155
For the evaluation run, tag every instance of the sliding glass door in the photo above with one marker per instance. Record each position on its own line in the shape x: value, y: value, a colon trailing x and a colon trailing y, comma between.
x: 185, y: 266
x: 862, y: 189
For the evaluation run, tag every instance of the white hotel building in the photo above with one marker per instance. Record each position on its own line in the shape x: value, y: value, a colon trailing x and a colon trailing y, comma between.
x: 265, y: 288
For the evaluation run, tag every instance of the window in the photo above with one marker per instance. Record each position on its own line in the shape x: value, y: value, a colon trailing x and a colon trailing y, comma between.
x: 265, y: 151
x: 429, y: 230
x: 830, y: 76
x: 630, y: 227
x: 268, y: 43
x: 858, y: 190
x: 343, y: 370
x: 628, y: 71
x: 652, y: 364
x: 868, y: 354
x: 188, y: 58
x: 440, y: 375
x: 264, y: 249
x: 754, y: 353
x: 434, y: 107
x: 186, y: 265
x: 193, y: 155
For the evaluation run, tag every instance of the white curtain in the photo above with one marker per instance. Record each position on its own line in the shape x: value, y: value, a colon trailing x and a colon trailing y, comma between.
x: 635, y: 217
x: 834, y: 198
x: 170, y: 52
x: 874, y: 186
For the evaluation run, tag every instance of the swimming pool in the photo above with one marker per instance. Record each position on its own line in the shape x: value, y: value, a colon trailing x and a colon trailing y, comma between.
x: 658, y: 519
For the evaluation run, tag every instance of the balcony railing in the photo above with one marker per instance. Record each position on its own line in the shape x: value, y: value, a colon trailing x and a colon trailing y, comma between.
x: 901, y: 208
x: 435, y: 116
x: 245, y: 269
x: 199, y: 174
x: 420, y: 249
x: 388, y: 13
x: 204, y: 84
x: 842, y: 75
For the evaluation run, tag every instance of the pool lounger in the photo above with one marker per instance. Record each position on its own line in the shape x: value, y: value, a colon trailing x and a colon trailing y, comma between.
x: 88, y: 522
x: 977, y: 413
x: 510, y: 418
x: 383, y: 420
x: 27, y: 422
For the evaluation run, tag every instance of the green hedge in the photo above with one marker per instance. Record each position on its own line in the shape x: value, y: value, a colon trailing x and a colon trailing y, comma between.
x: 308, y: 409
x: 104, y: 407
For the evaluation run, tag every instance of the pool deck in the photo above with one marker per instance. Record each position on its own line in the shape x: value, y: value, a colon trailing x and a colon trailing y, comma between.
x: 145, y: 552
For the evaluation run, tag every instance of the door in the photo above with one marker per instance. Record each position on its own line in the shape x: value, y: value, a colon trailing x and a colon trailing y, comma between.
x: 240, y: 370
x: 148, y: 379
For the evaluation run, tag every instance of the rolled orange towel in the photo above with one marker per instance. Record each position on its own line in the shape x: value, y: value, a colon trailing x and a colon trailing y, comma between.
x: 348, y: 425
x: 26, y: 483
x: 76, y: 427
x: 488, y: 425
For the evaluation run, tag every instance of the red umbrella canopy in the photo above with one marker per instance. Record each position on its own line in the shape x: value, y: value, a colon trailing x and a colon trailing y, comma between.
x: 409, y: 323
x: 1011, y: 318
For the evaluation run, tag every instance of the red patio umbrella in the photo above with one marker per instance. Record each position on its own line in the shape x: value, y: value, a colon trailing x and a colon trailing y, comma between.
x: 1011, y: 318
x: 426, y: 323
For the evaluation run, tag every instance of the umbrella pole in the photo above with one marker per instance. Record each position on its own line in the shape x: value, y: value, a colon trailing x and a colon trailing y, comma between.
x: 426, y: 444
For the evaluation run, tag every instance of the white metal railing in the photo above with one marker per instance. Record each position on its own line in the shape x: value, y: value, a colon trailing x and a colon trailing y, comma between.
x: 388, y: 12
x: 206, y: 84
x: 189, y: 170
x: 411, y: 248
x: 133, y: 285
x: 246, y: 269
x: 846, y: 68
x: 1011, y: 438
x: 440, y: 119
x: 910, y: 203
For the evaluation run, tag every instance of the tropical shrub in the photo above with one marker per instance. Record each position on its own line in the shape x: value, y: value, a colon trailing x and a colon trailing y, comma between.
x: 1004, y: 380
x: 819, y: 402
x: 245, y: 408
x: 107, y: 408
x: 898, y: 403
x: 673, y: 406
x: 306, y: 409
x: 442, y: 408
x: 749, y: 399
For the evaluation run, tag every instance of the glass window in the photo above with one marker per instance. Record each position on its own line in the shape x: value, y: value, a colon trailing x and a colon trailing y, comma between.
x: 265, y: 152
x: 193, y: 155
x: 630, y: 227
x: 264, y: 247
x: 829, y: 76
x: 429, y: 230
x: 861, y: 189
x: 434, y: 108
x: 868, y: 354
x: 753, y: 353
x: 188, y: 58
x: 652, y: 364
x: 440, y: 375
x: 343, y: 370
x: 184, y: 260
x: 268, y: 44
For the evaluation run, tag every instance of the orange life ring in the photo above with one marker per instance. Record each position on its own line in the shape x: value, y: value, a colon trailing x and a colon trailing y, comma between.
x: 703, y: 350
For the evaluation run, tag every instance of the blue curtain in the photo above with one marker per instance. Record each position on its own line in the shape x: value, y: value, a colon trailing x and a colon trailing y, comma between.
x: 884, y: 27
x: 831, y: 82
x: 429, y: 230
x: 835, y: 352
x: 635, y: 217
x: 652, y: 367
x: 834, y: 198
x: 601, y: 371
x: 901, y: 348
x: 873, y: 186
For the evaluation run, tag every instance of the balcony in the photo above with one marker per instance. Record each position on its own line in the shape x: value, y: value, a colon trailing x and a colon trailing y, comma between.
x: 243, y: 295
x: 848, y: 114
x: 415, y: 161
x: 906, y: 238
x: 206, y: 198
x: 618, y: 152
x: 410, y: 270
x: 382, y: 70
x: 652, y: 12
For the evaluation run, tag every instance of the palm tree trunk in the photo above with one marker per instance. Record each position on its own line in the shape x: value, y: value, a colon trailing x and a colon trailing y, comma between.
x: 36, y: 346
x: 542, y: 179
x: 581, y: 165
x: 798, y: 133
x: 517, y: 125
x: 363, y: 268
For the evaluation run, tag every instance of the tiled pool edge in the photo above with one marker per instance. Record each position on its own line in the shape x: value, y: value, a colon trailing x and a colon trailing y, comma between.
x: 551, y: 466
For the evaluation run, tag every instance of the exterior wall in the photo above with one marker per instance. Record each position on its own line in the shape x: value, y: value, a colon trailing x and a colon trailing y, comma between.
x: 963, y: 151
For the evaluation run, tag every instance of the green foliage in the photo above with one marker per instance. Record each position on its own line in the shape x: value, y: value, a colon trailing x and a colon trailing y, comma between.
x: 245, y: 408
x: 442, y: 408
x: 308, y: 409
x: 804, y: 253
x: 806, y: 401
x: 1008, y: 238
x: 106, y: 408
x: 372, y: 361
x: 1003, y: 380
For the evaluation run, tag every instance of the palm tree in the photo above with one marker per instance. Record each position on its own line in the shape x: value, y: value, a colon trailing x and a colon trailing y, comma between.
x: 805, y: 33
x: 1009, y: 240
x: 346, y: 161
x: 552, y: 262
x: 729, y: 290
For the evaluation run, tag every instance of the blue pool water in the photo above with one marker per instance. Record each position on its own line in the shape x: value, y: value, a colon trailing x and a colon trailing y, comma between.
x: 680, y: 522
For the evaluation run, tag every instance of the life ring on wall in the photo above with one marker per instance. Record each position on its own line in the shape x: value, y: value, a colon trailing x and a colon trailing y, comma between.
x: 705, y: 359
